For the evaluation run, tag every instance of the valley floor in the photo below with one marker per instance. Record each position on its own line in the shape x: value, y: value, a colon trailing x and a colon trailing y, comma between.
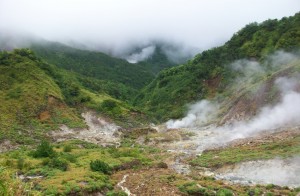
x: 156, y: 161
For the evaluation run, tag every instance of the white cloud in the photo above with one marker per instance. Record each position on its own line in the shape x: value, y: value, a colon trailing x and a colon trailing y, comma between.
x: 115, y: 23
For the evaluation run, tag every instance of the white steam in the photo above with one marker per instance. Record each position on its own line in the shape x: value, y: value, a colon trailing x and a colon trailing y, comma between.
x: 143, y: 55
x: 276, y: 171
x: 280, y: 58
x: 247, y: 68
x: 285, y: 113
x: 199, y: 113
x: 179, y: 53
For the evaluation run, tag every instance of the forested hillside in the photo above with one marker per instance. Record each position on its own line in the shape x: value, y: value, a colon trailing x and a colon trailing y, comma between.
x: 93, y: 64
x: 208, y: 73
x: 37, y: 97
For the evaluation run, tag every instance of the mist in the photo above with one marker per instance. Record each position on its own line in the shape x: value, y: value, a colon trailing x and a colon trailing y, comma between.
x: 199, y: 114
x: 140, y: 56
x: 275, y: 171
x: 283, y: 114
x: 114, y: 25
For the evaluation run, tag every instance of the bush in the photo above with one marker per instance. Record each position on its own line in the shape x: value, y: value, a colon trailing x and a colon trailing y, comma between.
x: 44, y: 150
x: 67, y: 148
x: 101, y: 166
x: 224, y: 192
x: 270, y: 186
x: 108, y: 105
x: 191, y: 188
x: 58, y: 163
x: 20, y: 163
x: 15, y: 93
x: 69, y: 157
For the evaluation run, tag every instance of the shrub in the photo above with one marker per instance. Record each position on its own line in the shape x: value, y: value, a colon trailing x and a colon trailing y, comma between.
x: 162, y: 165
x: 108, y: 104
x: 20, y: 163
x: 67, y: 148
x: 270, y: 186
x: 224, y: 192
x: 15, y: 93
x: 191, y: 188
x: 44, y: 150
x: 101, y: 166
x: 58, y: 163
x: 69, y: 157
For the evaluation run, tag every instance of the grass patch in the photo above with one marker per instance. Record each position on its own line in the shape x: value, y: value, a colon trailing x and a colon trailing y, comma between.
x: 232, y: 155
x: 75, y: 171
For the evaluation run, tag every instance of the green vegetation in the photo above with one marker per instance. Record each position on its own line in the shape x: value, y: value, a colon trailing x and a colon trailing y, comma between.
x: 116, y: 193
x: 158, y: 61
x: 224, y: 192
x: 209, y: 186
x: 191, y: 188
x: 81, y: 174
x: 39, y: 93
x: 30, y: 99
x: 67, y: 148
x: 94, y: 64
x: 36, y: 96
x: 231, y: 155
x: 100, y: 166
x: 71, y: 172
x: 208, y: 74
x: 13, y: 186
x: 44, y: 150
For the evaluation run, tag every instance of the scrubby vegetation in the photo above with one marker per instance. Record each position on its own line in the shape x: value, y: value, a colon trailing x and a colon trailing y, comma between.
x: 100, y: 166
x: 82, y: 170
x: 30, y: 99
x: 231, y: 155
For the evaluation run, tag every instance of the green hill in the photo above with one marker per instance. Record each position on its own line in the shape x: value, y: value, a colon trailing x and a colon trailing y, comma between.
x: 93, y: 64
x: 37, y: 97
x: 31, y: 101
x: 207, y: 74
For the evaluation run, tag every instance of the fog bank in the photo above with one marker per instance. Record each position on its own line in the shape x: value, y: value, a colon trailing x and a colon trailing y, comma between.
x: 115, y: 24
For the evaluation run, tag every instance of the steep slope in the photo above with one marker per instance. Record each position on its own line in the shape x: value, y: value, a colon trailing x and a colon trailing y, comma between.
x: 37, y: 97
x: 208, y: 73
x: 31, y: 102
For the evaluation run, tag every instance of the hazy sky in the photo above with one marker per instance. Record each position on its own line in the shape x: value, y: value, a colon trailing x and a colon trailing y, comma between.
x: 115, y: 23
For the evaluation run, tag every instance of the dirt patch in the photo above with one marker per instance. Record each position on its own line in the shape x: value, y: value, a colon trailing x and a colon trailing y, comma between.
x: 44, y: 115
x: 212, y: 85
x: 136, y: 133
x: 266, y: 137
x: 99, y: 131
x: 6, y: 145
x: 148, y: 182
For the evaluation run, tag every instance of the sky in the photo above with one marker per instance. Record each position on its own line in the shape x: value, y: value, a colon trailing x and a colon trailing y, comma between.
x: 119, y: 23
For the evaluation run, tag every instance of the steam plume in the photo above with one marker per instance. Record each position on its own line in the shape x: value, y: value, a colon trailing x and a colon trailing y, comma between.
x: 285, y: 113
x: 144, y: 54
